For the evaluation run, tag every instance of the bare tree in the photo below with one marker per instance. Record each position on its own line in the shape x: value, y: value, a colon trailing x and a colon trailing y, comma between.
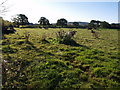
x: 3, y: 7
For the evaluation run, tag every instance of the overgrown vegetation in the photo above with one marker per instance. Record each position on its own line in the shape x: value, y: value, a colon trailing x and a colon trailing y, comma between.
x: 30, y: 63
x: 64, y: 37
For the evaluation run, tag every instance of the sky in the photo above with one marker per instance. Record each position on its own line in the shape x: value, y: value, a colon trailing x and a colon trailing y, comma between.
x: 71, y: 10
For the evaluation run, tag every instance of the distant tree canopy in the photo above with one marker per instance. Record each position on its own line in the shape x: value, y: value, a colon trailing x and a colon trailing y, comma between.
x: 99, y: 24
x: 20, y: 19
x: 43, y: 21
x: 104, y: 24
x: 62, y: 22
x: 76, y: 24
x: 115, y: 26
x: 94, y: 24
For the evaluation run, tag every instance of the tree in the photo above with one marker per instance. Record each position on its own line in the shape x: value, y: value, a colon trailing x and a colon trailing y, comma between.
x: 115, y: 25
x: 91, y: 24
x: 76, y: 24
x: 3, y: 24
x: 3, y: 7
x: 7, y: 23
x: 44, y: 21
x: 98, y: 24
x: 104, y: 24
x: 62, y: 22
x: 94, y: 24
x: 20, y: 19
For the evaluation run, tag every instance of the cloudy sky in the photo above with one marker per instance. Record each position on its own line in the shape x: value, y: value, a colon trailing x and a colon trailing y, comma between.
x: 71, y: 10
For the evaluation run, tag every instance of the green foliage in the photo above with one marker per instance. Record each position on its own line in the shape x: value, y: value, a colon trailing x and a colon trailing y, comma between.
x: 105, y: 25
x: 100, y: 72
x: 20, y: 19
x: 62, y: 22
x: 44, y: 22
x: 7, y: 23
x: 76, y: 24
x: 97, y: 24
x: 94, y: 24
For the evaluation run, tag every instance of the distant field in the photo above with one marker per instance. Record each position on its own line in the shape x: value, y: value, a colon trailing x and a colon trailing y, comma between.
x: 108, y: 40
x: 93, y: 64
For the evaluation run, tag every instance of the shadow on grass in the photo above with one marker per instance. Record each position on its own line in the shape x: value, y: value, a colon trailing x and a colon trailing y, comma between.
x: 73, y: 43
x: 44, y: 41
x: 31, y: 44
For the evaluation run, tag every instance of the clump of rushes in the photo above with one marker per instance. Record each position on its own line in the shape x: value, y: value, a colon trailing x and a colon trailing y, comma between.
x: 43, y: 39
x: 27, y: 36
x: 60, y: 34
x: 65, y: 37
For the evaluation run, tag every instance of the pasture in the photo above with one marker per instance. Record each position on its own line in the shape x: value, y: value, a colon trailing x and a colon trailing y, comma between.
x: 48, y: 64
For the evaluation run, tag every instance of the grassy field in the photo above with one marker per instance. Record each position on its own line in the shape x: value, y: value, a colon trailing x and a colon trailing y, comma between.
x: 92, y: 64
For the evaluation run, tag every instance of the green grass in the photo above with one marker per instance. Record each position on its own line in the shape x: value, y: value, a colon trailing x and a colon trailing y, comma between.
x: 35, y: 64
x: 108, y: 38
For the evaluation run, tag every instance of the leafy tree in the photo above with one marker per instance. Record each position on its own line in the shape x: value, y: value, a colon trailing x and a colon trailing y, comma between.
x: 20, y: 19
x: 7, y: 27
x: 98, y: 23
x: 90, y: 25
x: 105, y: 24
x: 76, y: 24
x: 94, y: 24
x: 62, y: 22
x: 44, y: 21
x: 115, y: 26
x: 7, y: 23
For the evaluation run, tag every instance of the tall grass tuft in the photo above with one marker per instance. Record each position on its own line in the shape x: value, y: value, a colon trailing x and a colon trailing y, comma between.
x: 65, y: 37
x: 27, y: 36
x: 44, y: 38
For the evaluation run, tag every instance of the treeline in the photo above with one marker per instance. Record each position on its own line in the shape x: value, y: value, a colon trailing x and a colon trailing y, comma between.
x: 103, y: 24
x: 21, y: 21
